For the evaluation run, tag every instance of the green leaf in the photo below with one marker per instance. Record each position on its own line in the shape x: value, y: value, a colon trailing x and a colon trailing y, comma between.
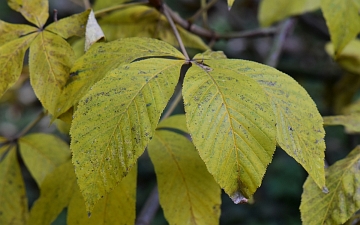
x: 101, y: 4
x: 104, y: 57
x: 343, y: 20
x: 35, y: 11
x: 93, y: 31
x: 349, y: 58
x: 42, y: 153
x: 299, y: 125
x: 351, y: 122
x: 50, y: 60
x: 10, y: 32
x: 11, y: 61
x: 55, y: 193
x: 70, y: 26
x: 117, y: 207
x: 232, y: 124
x: 115, y: 121
x: 145, y: 21
x: 175, y: 122
x: 343, y: 199
x: 14, y: 206
x: 271, y: 11
x: 188, y: 193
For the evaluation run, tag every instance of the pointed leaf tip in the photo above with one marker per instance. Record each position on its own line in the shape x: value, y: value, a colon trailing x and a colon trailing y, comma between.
x: 238, y: 198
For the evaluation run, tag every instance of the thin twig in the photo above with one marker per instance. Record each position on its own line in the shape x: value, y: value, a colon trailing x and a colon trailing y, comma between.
x: 102, y: 12
x: 87, y: 4
x: 279, y: 39
x: 30, y: 125
x: 193, y: 18
x: 166, y: 10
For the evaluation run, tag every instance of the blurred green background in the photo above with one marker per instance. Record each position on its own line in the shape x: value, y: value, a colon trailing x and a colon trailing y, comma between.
x: 277, y: 201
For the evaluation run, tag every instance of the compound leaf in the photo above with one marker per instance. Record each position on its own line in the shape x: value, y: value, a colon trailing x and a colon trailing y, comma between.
x: 70, y: 26
x: 183, y: 180
x: 55, y: 193
x: 35, y: 11
x: 103, y: 57
x: 299, y: 125
x: 116, y: 119
x: 42, y: 153
x: 272, y: 11
x: 14, y: 206
x: 117, y: 207
x: 343, y: 199
x: 351, y: 122
x: 343, y: 20
x: 50, y: 60
x: 11, y: 61
x: 10, y: 32
x: 145, y: 21
x: 232, y: 124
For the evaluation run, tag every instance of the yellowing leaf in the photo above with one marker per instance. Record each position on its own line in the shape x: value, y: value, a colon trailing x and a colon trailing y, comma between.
x: 343, y: 20
x: 300, y: 131
x: 103, y: 57
x: 50, y: 60
x: 117, y: 207
x: 93, y: 31
x: 353, y: 108
x: 351, y: 122
x: 115, y: 121
x: 70, y: 26
x: 14, y: 206
x: 175, y: 122
x: 42, y: 153
x: 101, y: 4
x: 209, y: 55
x: 11, y: 61
x: 188, y: 193
x: 35, y: 11
x: 3, y: 146
x: 272, y: 11
x: 343, y: 199
x: 145, y: 21
x: 230, y: 3
x: 349, y: 58
x: 10, y: 32
x: 232, y: 124
x: 55, y: 193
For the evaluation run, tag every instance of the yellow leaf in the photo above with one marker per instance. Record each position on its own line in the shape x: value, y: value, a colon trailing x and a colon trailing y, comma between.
x: 103, y: 57
x: 55, y: 193
x: 11, y: 61
x: 351, y: 122
x: 101, y: 4
x: 349, y: 58
x: 232, y: 124
x: 117, y: 207
x: 272, y: 11
x: 93, y: 31
x: 70, y: 26
x: 50, y: 60
x: 209, y: 55
x: 343, y: 20
x: 343, y: 199
x: 116, y: 119
x: 42, y: 153
x: 175, y: 122
x: 10, y: 32
x: 14, y: 206
x: 353, y: 108
x: 145, y: 21
x: 230, y: 3
x: 3, y: 146
x: 35, y: 11
x: 188, y: 193
x: 300, y: 131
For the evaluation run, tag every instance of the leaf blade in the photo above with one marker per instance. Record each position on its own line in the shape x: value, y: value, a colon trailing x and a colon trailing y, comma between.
x: 213, y: 97
x: 9, y: 32
x: 115, y: 135
x: 35, y: 11
x: 342, y: 201
x: 183, y: 180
